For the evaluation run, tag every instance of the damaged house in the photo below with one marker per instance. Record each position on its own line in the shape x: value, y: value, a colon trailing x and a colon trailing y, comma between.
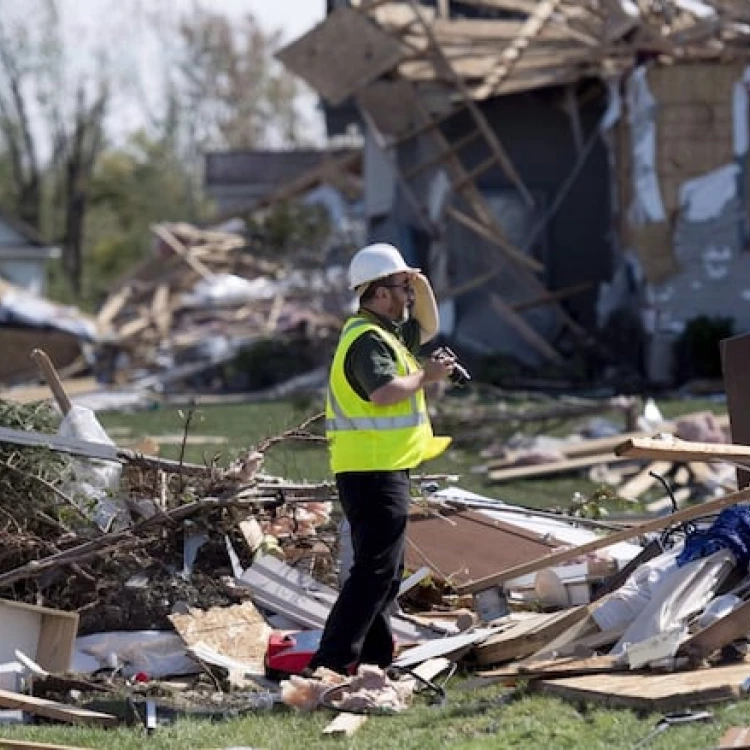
x: 559, y: 168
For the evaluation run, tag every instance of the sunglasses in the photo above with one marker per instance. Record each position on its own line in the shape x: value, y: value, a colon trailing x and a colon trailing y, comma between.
x: 406, y: 286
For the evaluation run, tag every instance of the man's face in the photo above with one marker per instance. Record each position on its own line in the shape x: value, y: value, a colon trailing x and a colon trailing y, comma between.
x: 401, y: 296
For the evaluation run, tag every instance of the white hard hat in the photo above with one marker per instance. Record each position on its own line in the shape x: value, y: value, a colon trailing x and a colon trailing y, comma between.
x: 376, y: 262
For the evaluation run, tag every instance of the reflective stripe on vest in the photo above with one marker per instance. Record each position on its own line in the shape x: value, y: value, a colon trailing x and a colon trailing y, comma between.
x: 342, y: 423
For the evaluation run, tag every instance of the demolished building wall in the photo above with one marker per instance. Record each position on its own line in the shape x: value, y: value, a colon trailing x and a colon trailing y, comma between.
x: 693, y: 246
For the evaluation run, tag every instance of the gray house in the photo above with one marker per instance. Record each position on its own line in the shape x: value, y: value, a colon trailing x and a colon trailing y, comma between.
x: 552, y: 164
x: 24, y: 255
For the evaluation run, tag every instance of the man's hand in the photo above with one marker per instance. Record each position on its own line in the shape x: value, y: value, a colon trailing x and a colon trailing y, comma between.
x: 438, y: 367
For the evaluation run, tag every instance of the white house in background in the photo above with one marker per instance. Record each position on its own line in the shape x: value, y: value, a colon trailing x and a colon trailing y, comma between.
x: 24, y: 255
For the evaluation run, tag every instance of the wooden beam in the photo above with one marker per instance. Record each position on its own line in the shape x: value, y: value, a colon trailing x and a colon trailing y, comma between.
x: 683, y: 450
x: 58, y: 711
x: 481, y: 121
x: 553, y: 467
x: 510, y: 56
x: 524, y: 329
x: 555, y: 558
x: 169, y: 239
x: 28, y: 745
x: 513, y: 253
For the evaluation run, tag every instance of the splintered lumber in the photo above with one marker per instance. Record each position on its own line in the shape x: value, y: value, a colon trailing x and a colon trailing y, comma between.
x: 53, y: 710
x: 643, y: 481
x: 656, y: 524
x: 554, y: 668
x: 737, y: 738
x: 532, y: 471
x: 717, y: 635
x: 28, y: 745
x: 345, y: 724
x: 657, y: 693
x: 683, y: 450
x: 528, y: 636
x: 510, y: 56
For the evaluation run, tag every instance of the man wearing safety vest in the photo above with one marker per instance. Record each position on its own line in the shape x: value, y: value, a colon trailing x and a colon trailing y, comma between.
x: 378, y: 430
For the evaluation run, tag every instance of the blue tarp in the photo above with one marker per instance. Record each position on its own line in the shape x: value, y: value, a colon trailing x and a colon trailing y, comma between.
x: 731, y: 530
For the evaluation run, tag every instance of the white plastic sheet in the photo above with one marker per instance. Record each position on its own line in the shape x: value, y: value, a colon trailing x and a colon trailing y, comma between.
x: 157, y: 653
x: 94, y: 482
x: 706, y: 197
x: 681, y: 593
x: 647, y: 203
x: 18, y: 305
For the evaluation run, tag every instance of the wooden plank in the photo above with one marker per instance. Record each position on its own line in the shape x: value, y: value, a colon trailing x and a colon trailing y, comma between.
x: 737, y: 738
x: 554, y: 668
x: 555, y: 467
x: 720, y: 633
x: 735, y: 361
x: 183, y: 252
x: 643, y: 481
x: 58, y: 711
x: 363, y: 52
x: 524, y: 329
x: 527, y: 637
x: 496, y: 239
x: 113, y: 306
x: 510, y: 56
x: 345, y: 725
x: 684, y: 451
x: 477, y: 115
x: 657, y: 693
x: 656, y: 524
x: 28, y: 745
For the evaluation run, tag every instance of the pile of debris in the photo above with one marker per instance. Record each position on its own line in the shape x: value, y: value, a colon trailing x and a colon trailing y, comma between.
x: 152, y: 570
x: 203, y: 297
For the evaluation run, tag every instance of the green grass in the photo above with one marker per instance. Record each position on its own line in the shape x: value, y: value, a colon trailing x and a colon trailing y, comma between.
x: 476, y: 719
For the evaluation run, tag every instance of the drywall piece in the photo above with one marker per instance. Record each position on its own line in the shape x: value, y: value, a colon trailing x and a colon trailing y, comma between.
x: 45, y: 635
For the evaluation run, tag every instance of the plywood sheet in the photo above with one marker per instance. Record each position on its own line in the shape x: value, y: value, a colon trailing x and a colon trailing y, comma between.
x: 390, y: 104
x: 652, y: 692
x: 363, y: 52
x: 239, y: 631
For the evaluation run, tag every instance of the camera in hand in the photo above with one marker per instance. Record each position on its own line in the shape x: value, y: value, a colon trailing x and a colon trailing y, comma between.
x: 460, y: 375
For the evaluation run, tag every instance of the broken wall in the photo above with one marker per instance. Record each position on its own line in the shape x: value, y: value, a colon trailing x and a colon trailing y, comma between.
x: 695, y: 258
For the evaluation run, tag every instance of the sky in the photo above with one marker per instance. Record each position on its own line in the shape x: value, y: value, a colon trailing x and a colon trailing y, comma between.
x: 91, y: 21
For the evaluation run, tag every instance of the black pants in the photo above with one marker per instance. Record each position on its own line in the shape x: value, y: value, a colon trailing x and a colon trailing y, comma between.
x: 358, y: 630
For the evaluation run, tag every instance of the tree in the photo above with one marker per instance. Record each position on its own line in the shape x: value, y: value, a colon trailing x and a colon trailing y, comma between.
x: 227, y: 90
x: 46, y: 108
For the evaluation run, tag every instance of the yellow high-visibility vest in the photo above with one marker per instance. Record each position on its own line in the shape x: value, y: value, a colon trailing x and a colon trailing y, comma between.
x: 366, y: 437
